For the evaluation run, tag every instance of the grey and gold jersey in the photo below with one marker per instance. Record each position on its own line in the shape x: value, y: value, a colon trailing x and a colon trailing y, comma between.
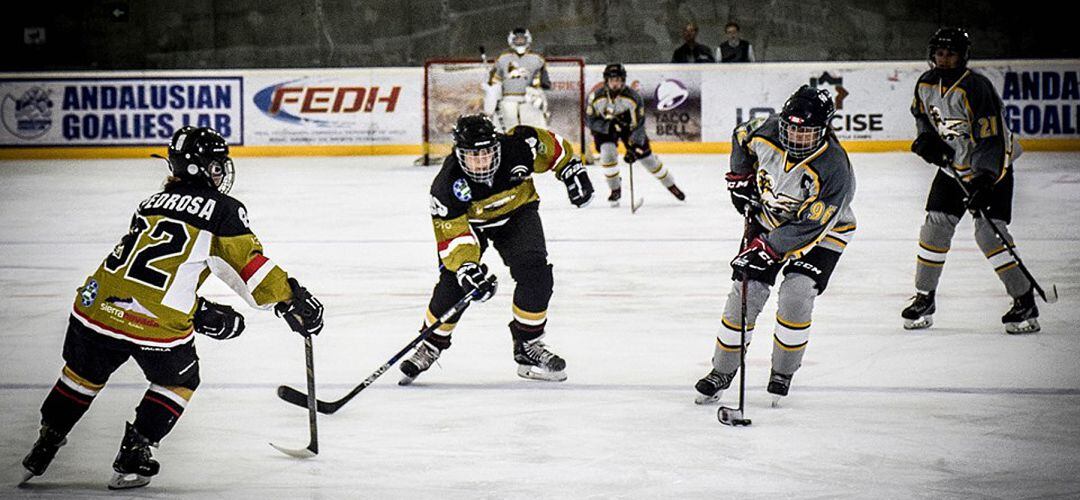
x: 967, y: 113
x: 606, y: 106
x: 805, y: 202
x: 518, y: 72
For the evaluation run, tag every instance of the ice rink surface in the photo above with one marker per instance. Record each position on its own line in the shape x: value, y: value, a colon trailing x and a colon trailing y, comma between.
x: 961, y: 410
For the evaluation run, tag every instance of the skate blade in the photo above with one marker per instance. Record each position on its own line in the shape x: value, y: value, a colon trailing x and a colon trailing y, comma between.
x: 919, y: 324
x: 776, y: 400
x: 405, y: 380
x: 26, y: 477
x: 614, y: 204
x: 121, y: 481
x: 702, y: 399
x: 1026, y: 326
x: 532, y: 373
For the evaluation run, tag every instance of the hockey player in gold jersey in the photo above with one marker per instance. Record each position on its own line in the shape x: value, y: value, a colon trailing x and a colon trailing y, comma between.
x: 485, y: 194
x: 142, y: 303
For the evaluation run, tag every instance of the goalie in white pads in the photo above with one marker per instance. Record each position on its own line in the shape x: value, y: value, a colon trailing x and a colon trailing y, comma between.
x: 515, y: 90
x: 616, y: 113
x: 797, y: 178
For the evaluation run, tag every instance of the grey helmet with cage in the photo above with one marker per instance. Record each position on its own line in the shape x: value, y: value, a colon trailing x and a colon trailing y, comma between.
x: 804, y: 121
x: 519, y: 40
x: 477, y: 148
x: 201, y: 155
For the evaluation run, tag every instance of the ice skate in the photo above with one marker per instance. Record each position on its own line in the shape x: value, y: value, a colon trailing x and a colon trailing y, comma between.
x: 614, y: 197
x: 920, y: 314
x: 712, y: 386
x: 426, y: 354
x: 1023, y: 317
x: 42, y: 454
x: 134, y: 464
x: 676, y: 192
x: 536, y: 362
x: 778, y: 387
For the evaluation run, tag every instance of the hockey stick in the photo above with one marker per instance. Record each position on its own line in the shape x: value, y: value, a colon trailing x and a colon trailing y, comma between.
x: 734, y: 416
x: 313, y: 446
x: 298, y: 398
x: 635, y: 203
x: 1048, y: 298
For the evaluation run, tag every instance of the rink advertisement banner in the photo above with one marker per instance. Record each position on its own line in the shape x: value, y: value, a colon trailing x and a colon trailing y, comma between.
x: 333, y: 107
x: 673, y: 100
x: 136, y: 111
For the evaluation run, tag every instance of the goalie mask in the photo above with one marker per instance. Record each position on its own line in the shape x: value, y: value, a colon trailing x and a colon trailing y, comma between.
x: 519, y: 40
x: 201, y: 155
x: 476, y: 145
x: 804, y: 121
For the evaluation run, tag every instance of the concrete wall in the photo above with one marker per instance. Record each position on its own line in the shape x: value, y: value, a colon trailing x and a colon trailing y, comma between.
x: 162, y: 34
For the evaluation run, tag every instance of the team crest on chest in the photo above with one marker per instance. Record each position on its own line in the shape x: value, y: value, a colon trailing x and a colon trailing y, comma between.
x: 462, y: 190
x: 946, y: 128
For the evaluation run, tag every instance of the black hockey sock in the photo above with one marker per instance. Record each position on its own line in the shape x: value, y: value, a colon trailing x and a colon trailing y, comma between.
x: 524, y: 333
x: 158, y: 412
x: 63, y: 407
x: 68, y: 400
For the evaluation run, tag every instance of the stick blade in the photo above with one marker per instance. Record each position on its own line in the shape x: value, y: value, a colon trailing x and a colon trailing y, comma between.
x: 1051, y: 297
x: 732, y: 417
x: 293, y: 396
x: 301, y: 453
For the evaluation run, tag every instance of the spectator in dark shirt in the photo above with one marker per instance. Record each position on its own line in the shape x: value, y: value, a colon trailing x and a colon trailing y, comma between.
x: 735, y: 49
x: 691, y: 51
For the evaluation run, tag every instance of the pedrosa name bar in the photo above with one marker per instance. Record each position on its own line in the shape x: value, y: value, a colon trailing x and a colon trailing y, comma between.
x: 147, y: 96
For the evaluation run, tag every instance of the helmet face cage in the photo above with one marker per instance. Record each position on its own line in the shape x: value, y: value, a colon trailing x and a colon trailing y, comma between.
x: 799, y: 140
x: 480, y: 164
x: 222, y: 173
x: 520, y: 39
x: 804, y: 121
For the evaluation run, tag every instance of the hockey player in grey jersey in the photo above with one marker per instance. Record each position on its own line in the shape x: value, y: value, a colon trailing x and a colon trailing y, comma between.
x: 616, y: 113
x: 961, y: 130
x: 515, y: 90
x: 797, y: 178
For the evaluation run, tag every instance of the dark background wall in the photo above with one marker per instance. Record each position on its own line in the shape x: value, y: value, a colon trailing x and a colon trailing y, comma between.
x: 167, y: 34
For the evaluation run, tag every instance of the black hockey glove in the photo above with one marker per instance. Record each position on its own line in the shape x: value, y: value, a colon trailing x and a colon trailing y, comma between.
x: 931, y: 148
x: 620, y: 124
x: 979, y: 189
x: 578, y: 186
x: 303, y: 313
x: 217, y: 321
x: 756, y: 259
x: 743, y: 190
x: 474, y: 279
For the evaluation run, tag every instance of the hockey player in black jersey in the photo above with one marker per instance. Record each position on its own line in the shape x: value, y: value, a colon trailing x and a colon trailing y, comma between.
x: 142, y: 304
x: 961, y: 130
x: 616, y: 112
x: 484, y: 195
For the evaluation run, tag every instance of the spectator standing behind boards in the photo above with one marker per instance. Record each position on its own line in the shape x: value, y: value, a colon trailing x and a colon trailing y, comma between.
x: 735, y: 49
x: 691, y: 51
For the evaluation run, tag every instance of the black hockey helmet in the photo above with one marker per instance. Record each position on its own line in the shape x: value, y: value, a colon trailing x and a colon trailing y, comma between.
x: 476, y: 145
x: 201, y: 155
x: 614, y: 70
x: 954, y: 39
x: 804, y: 120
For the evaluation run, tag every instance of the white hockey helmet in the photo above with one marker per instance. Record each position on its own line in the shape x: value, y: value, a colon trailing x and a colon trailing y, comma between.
x: 519, y: 40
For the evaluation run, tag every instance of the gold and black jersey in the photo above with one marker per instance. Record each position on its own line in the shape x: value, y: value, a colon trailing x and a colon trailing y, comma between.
x: 144, y: 291
x: 460, y: 206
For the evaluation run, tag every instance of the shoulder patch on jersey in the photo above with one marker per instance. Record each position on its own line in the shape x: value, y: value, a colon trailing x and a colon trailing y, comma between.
x: 462, y: 190
x: 437, y: 207
x: 242, y: 213
x: 88, y: 294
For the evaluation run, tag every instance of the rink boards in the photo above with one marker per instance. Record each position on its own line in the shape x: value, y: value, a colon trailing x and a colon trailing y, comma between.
x: 379, y: 111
